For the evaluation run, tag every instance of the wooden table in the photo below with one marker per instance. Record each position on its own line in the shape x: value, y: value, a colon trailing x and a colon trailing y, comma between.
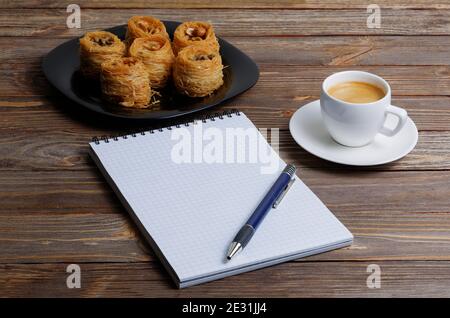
x: 56, y: 209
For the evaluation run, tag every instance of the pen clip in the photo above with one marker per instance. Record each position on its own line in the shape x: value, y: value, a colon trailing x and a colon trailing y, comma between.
x: 286, y: 189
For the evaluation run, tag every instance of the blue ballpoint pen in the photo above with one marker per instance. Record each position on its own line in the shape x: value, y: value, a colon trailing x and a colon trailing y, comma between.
x: 271, y: 200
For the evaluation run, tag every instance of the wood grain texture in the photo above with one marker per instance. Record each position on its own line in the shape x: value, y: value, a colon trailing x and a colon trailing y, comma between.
x: 67, y: 150
x: 291, y: 81
x: 314, y: 50
x: 266, y: 110
x: 397, y: 192
x: 346, y: 50
x: 74, y: 216
x: 52, y: 22
x: 57, y: 209
x: 304, y: 279
x: 207, y: 4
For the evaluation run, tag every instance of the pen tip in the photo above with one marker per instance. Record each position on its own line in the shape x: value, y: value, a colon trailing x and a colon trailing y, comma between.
x: 233, y: 249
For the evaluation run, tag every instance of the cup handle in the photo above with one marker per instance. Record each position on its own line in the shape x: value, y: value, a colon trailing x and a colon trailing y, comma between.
x: 402, y: 116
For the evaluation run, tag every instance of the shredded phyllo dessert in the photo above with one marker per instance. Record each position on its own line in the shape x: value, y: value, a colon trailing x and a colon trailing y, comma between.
x: 135, y: 72
x: 143, y: 26
x: 96, y: 48
x: 194, y: 33
x: 124, y: 81
x: 156, y: 53
x: 198, y: 71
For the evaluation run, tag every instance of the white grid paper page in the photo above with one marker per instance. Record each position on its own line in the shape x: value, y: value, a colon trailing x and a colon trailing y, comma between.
x: 193, y: 210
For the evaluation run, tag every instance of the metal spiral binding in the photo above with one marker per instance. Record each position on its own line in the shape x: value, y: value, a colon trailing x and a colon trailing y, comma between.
x: 217, y: 116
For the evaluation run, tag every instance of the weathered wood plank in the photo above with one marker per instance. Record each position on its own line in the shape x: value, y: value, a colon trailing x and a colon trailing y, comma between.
x: 75, y: 217
x: 67, y: 150
x: 305, y: 279
x: 393, y: 191
x: 27, y: 236
x: 347, y: 50
x: 105, y: 236
x: 314, y: 50
x: 235, y: 22
x: 57, y: 208
x: 38, y: 113
x: 430, y: 153
x: 202, y: 4
x: 288, y: 81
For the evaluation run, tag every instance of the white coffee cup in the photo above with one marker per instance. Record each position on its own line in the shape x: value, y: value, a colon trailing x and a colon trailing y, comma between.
x: 356, y: 125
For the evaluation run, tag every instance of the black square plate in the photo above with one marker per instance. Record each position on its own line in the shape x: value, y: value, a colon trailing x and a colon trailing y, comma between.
x: 61, y: 66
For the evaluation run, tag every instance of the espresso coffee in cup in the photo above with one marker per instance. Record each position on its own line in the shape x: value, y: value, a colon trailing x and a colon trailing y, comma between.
x: 355, y: 106
x: 356, y: 92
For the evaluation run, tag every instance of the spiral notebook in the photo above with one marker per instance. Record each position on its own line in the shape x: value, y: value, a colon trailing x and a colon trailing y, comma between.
x: 189, y: 203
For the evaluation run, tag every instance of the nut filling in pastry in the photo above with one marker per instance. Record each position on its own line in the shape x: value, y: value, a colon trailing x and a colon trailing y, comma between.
x: 98, y: 47
x: 198, y: 71
x: 203, y: 57
x: 147, y: 28
x: 103, y: 42
x: 144, y: 26
x: 194, y: 33
x: 137, y: 73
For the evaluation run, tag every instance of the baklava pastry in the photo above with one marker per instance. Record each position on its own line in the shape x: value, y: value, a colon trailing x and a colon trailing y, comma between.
x: 96, y: 48
x: 198, y: 71
x: 124, y: 81
x: 193, y: 33
x: 155, y: 52
x: 143, y: 26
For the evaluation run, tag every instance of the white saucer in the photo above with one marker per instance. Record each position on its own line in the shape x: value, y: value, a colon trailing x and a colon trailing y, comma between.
x: 309, y: 132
